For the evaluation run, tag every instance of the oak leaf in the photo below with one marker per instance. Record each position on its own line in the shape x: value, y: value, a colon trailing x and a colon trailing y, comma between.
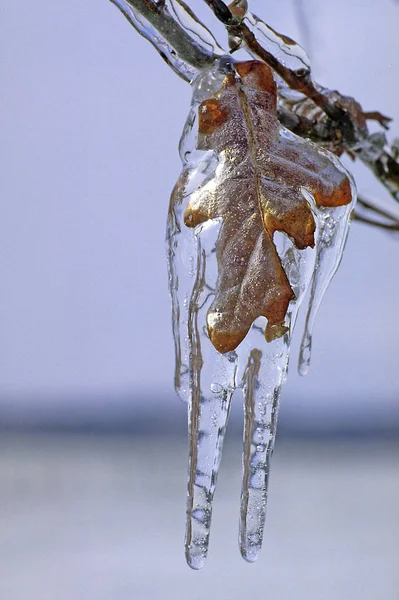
x: 255, y: 191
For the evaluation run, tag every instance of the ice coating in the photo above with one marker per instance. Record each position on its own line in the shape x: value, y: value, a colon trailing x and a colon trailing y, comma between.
x: 288, y: 53
x: 206, y: 378
x: 174, y: 13
x: 332, y: 236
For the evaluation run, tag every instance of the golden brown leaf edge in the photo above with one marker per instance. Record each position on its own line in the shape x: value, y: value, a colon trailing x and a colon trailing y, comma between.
x: 256, y: 191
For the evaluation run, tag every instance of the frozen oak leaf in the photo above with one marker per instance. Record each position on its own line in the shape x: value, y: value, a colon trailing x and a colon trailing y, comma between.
x: 256, y: 190
x: 242, y: 181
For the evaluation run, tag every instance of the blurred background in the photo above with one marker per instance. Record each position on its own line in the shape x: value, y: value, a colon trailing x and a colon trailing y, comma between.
x: 92, y: 437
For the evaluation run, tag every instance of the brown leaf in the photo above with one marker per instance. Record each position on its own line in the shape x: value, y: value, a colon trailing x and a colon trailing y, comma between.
x: 256, y: 191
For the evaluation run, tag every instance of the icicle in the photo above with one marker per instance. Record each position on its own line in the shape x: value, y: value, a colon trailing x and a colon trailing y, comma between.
x: 204, y: 377
x: 331, y: 238
x: 261, y: 386
x: 265, y: 372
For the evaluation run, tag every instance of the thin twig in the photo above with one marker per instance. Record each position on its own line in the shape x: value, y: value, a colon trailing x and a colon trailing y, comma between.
x: 391, y: 223
x: 386, y: 226
x: 371, y: 206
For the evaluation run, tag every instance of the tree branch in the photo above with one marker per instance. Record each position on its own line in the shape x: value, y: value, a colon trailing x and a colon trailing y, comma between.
x: 184, y: 48
x: 387, y: 226
x: 347, y: 117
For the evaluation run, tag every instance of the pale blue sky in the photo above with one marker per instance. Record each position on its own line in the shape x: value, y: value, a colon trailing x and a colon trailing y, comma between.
x: 90, y: 119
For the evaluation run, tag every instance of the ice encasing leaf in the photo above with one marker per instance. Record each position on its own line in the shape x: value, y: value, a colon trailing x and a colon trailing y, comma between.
x: 256, y: 191
x: 241, y: 171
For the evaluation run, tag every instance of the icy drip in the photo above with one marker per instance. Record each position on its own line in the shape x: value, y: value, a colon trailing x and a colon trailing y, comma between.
x: 333, y: 229
x: 263, y: 378
x: 265, y: 373
x: 181, y: 254
x: 205, y: 378
x: 212, y: 382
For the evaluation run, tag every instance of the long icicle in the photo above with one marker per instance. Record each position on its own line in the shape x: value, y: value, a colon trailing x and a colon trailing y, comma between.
x: 263, y: 379
x: 208, y: 412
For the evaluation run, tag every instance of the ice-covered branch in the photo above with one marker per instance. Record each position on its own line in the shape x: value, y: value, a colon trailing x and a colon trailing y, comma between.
x: 188, y: 46
x: 347, y: 120
x: 173, y: 29
x: 369, y: 213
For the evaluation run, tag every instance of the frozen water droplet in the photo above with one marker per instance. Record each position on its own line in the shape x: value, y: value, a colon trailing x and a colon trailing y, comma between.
x: 216, y: 388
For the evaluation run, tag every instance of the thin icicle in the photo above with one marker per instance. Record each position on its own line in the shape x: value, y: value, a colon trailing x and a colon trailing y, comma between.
x: 261, y: 411
x: 332, y: 236
x: 212, y: 382
x: 204, y: 378
x: 212, y: 388
x: 265, y: 373
x: 207, y: 426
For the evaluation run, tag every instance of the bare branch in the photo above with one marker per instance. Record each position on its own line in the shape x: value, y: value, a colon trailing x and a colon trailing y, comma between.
x: 342, y: 127
x: 391, y: 223
x: 387, y: 226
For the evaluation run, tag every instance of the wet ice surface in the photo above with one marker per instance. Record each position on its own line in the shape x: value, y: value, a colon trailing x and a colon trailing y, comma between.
x: 87, y: 517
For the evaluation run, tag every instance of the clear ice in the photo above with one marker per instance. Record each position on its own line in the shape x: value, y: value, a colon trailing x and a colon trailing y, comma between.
x: 175, y: 15
x: 332, y: 235
x: 288, y: 53
x: 206, y: 379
